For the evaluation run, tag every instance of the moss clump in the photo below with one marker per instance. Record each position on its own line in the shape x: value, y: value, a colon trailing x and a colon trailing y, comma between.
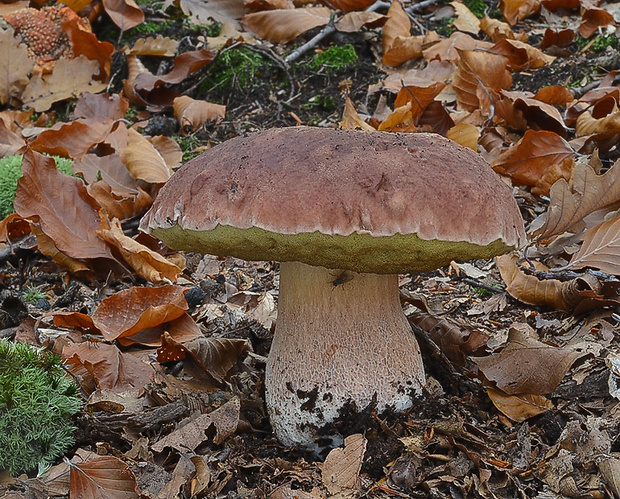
x: 235, y: 68
x: 37, y: 401
x: 10, y: 173
x: 477, y: 7
x: 334, y: 58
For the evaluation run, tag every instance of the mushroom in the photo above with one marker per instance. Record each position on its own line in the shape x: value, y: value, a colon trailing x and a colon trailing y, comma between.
x: 345, y: 212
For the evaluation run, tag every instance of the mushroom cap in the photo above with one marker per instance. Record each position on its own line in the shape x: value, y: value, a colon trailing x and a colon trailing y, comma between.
x: 345, y: 199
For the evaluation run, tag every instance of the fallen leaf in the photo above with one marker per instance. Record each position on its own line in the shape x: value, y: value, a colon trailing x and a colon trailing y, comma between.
x: 600, y: 248
x: 70, y: 78
x: 143, y: 161
x: 352, y: 22
x: 124, y: 13
x: 587, y: 192
x: 465, y: 134
x: 592, y: 19
x: 526, y: 365
x: 146, y: 263
x: 102, y: 477
x: 160, y: 46
x: 516, y: 11
x: 75, y: 138
x: 284, y: 25
x: 15, y: 65
x: 348, y: 5
x: 465, y: 20
x: 102, y: 106
x: 215, y: 356
x: 193, y: 114
x: 527, y: 162
x: 342, y: 466
x: 519, y: 407
x: 189, y: 436
x: 202, y: 13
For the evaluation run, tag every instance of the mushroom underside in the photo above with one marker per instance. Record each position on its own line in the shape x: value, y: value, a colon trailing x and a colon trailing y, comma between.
x: 341, y: 341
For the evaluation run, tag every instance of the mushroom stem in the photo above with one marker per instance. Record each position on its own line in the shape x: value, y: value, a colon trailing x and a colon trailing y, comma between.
x: 338, y: 340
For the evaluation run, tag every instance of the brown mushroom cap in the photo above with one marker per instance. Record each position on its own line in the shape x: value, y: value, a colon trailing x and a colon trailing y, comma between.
x: 346, y: 199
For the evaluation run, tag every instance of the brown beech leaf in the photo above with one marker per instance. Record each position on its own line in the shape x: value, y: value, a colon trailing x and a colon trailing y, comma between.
x: 159, y: 46
x: 398, y: 25
x: 465, y: 20
x: 526, y: 365
x: 561, y: 38
x: 169, y: 149
x: 351, y: 119
x: 342, y: 466
x: 102, y: 477
x: 588, y: 125
x: 124, y: 13
x: 436, y: 118
x: 284, y: 25
x: 521, y: 55
x: 61, y: 207
x: 102, y: 106
x: 86, y: 43
x: 569, y: 296
x: 73, y: 139
x: 465, y: 134
x: 592, y: 19
x: 557, y: 95
x: 449, y: 49
x: 143, y: 161
x: 112, y: 370
x: 121, y: 206
x: 522, y: 112
x: 456, y: 342
x: 13, y: 226
x: 182, y: 329
x: 600, y: 248
x: 202, y: 13
x: 419, y: 97
x: 497, y: 30
x: 129, y: 311
x: 146, y: 263
x: 478, y: 79
x: 10, y: 141
x: 15, y: 65
x: 352, y: 22
x: 519, y: 407
x: 567, y: 5
x: 69, y: 78
x: 516, y: 10
x: 348, y: 5
x: 110, y: 169
x: 527, y: 162
x: 216, y: 356
x: 586, y: 193
x: 189, y: 436
x: 193, y: 114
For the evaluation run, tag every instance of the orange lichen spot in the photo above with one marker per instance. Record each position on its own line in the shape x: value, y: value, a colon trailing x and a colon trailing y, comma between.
x: 42, y: 31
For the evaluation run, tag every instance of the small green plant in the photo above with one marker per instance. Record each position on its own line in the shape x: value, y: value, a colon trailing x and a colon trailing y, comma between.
x: 10, y: 172
x: 334, y: 58
x: 37, y: 402
x: 486, y: 293
x: 33, y: 295
x: 237, y: 67
x: 477, y: 7
x: 604, y: 41
x: 189, y: 144
x: 446, y: 26
x: 325, y: 102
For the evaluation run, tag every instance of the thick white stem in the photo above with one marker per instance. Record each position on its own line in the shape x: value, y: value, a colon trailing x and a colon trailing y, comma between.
x: 338, y: 339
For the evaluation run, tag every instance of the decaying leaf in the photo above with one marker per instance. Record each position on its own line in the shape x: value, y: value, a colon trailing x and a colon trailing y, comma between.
x: 465, y: 20
x: 215, y: 356
x: 129, y: 311
x: 159, y: 45
x: 150, y: 265
x: 15, y: 65
x: 284, y: 25
x: 192, y: 114
x: 526, y: 365
x: 519, y: 407
x: 193, y: 433
x: 536, y: 156
x: 101, y: 477
x: 143, y: 161
x: 124, y: 13
x: 340, y: 471
x: 600, y: 248
x: 517, y: 10
x: 70, y: 78
x: 571, y: 202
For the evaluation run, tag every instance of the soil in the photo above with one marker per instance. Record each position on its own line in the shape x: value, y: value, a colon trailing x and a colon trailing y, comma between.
x: 453, y: 442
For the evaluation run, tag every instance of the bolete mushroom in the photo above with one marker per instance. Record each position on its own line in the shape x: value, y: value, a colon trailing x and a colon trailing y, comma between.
x: 344, y: 211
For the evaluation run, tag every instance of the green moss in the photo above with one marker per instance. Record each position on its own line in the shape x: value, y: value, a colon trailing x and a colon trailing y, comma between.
x: 10, y: 173
x: 357, y: 252
x: 37, y: 402
x: 446, y: 27
x: 334, y: 58
x: 189, y: 144
x: 477, y: 7
x: 324, y: 102
x: 604, y: 41
x: 235, y: 68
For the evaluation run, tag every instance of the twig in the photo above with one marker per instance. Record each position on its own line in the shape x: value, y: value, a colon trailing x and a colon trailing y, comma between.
x: 313, y: 42
x: 564, y: 275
